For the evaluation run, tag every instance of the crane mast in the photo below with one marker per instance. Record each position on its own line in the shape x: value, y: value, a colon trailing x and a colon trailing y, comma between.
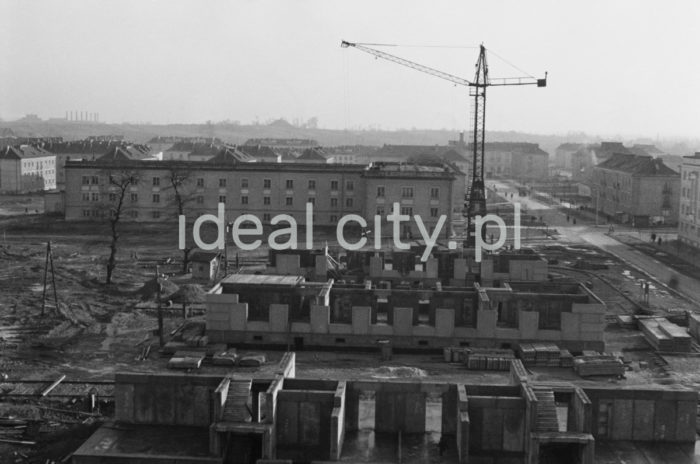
x: 475, y: 199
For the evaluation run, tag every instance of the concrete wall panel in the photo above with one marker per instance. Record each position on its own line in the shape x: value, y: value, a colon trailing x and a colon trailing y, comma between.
x: 643, y: 424
x: 622, y: 419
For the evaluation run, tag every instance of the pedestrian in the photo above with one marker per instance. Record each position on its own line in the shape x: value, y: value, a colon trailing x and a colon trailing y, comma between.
x: 574, y: 221
x: 653, y: 237
x: 659, y: 242
x: 567, y: 218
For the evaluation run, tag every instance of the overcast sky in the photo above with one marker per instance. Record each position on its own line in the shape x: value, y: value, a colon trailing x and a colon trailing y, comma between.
x: 615, y: 67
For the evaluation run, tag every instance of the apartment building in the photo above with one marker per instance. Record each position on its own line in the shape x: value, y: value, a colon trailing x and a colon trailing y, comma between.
x: 638, y: 190
x: 262, y: 189
x: 26, y: 168
x: 689, y: 219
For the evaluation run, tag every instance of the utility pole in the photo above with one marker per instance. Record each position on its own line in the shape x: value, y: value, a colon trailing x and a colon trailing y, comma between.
x: 160, y: 308
x: 49, y: 261
x: 597, y: 195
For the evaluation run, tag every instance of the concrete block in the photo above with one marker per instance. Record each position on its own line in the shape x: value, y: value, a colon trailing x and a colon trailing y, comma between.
x: 361, y: 317
x: 124, y: 402
x: 444, y: 322
x: 431, y: 268
x: 513, y: 430
x: 685, y: 424
x: 527, y: 324
x: 320, y: 318
x: 548, y: 335
x: 622, y: 419
x: 570, y: 326
x: 423, y: 331
x: 258, y: 327
x: 592, y: 318
x: 592, y: 336
x: 238, y: 316
x: 586, y: 327
x: 334, y: 328
x: 643, y: 424
x: 665, y: 421
x: 376, y: 265
x: 403, y: 321
x: 381, y: 329
x: 460, y: 269
x: 486, y: 323
x: 279, y: 317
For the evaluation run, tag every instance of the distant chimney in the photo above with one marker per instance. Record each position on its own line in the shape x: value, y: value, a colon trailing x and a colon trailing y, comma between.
x: 461, y: 138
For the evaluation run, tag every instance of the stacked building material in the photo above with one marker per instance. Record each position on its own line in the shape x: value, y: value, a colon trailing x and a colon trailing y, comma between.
x: 186, y: 360
x: 487, y: 359
x: 540, y: 354
x: 665, y: 336
x: 603, y: 364
x: 566, y: 359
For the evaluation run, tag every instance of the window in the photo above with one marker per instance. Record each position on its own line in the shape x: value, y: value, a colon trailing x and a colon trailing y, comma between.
x: 334, y: 202
x: 407, y: 210
x: 86, y: 197
x: 380, y: 211
x: 155, y: 214
x: 334, y: 218
x: 86, y: 213
x: 86, y: 180
x: 156, y: 198
x: 95, y: 180
x: 266, y: 217
x: 266, y: 200
x: 380, y: 191
x: 244, y: 183
x: 222, y: 183
x: 434, y: 212
x: 222, y: 198
x: 133, y: 213
x: 200, y: 182
x: 289, y: 201
x: 334, y: 185
x: 290, y: 184
x: 349, y: 185
x: 407, y: 192
x: 348, y: 202
x: 244, y: 200
x: 267, y: 183
x: 312, y: 185
x: 434, y: 192
x: 200, y: 199
x: 134, y: 197
x: 95, y: 197
x: 156, y: 181
x: 311, y: 200
x: 112, y: 197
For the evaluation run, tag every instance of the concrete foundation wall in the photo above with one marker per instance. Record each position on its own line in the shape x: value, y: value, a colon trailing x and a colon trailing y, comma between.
x: 653, y: 415
x: 303, y: 424
x: 496, y: 423
x: 165, y: 399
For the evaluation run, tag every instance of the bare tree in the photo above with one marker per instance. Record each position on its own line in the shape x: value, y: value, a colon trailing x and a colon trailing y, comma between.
x: 180, y: 182
x: 119, y: 182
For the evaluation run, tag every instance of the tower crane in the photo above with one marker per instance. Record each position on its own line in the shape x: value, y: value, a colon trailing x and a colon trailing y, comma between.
x: 475, y: 199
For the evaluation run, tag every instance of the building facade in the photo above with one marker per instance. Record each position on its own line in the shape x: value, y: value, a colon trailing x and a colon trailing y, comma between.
x: 263, y: 189
x: 689, y: 219
x: 637, y: 190
x: 26, y: 168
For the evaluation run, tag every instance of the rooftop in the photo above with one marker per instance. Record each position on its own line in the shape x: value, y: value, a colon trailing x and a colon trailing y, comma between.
x: 637, y: 165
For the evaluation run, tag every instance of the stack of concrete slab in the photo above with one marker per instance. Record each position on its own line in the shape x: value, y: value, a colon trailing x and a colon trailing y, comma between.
x: 664, y: 335
x: 566, y: 359
x: 602, y: 364
x: 486, y: 359
x: 539, y: 354
x: 186, y: 360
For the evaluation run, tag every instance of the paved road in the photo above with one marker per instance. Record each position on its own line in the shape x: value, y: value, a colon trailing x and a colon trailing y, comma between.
x: 589, y: 233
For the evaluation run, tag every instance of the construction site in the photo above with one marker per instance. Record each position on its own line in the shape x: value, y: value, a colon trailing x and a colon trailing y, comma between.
x: 123, y: 344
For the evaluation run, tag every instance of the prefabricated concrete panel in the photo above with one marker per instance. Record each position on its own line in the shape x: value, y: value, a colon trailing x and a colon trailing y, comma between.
x: 164, y: 404
x: 144, y: 401
x: 685, y: 425
x: 514, y: 429
x: 643, y: 424
x: 201, y: 405
x: 309, y: 423
x: 238, y: 316
x: 486, y: 323
x: 476, y: 429
x: 492, y: 424
x: 449, y: 406
x: 622, y: 417
x: 527, y: 324
x: 124, y: 402
x: 184, y: 410
x: 279, y: 317
x: 287, y: 421
x: 403, y: 321
x: 361, y: 319
x: 665, y: 420
x: 403, y: 411
x: 320, y: 318
x: 444, y: 322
